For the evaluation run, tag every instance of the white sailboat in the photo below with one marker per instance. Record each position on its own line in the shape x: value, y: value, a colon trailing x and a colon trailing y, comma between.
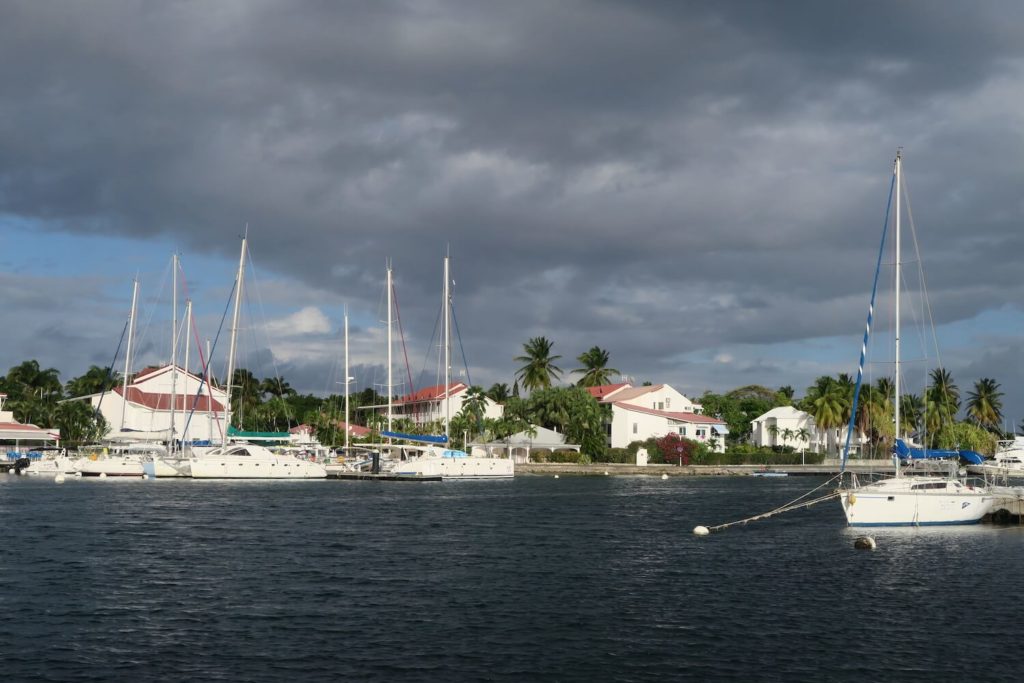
x: 904, y: 500
x: 435, y: 458
x: 244, y: 460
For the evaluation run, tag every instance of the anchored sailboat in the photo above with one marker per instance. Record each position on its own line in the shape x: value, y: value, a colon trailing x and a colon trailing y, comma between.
x: 903, y: 500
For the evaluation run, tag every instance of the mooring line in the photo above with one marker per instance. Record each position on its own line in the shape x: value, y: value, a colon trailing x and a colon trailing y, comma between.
x: 794, y: 504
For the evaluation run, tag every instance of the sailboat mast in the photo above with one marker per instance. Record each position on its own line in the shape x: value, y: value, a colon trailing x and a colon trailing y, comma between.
x: 174, y: 345
x: 390, y: 294
x: 447, y: 348
x: 128, y: 351
x: 347, y: 379
x: 234, y: 338
x: 899, y: 189
x: 188, y: 333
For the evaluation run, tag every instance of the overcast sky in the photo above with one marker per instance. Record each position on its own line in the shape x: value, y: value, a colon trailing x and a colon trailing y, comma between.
x: 696, y: 187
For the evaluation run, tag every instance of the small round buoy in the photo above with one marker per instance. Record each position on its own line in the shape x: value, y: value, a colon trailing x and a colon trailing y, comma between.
x: 864, y: 543
x: 59, y: 479
x: 701, y: 530
x: 606, y: 473
x: 556, y: 476
x: 664, y: 476
x: 103, y: 475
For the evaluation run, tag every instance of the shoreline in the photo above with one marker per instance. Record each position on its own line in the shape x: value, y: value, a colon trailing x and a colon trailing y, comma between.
x: 626, y: 469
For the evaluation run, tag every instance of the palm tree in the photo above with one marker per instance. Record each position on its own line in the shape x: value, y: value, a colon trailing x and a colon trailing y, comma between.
x: 787, y: 435
x: 539, y: 369
x: 94, y: 381
x: 803, y: 435
x: 595, y: 371
x: 498, y: 392
x: 773, y: 429
x: 473, y: 406
x: 276, y: 386
x: 827, y: 404
x: 985, y: 404
x: 946, y: 393
x: 912, y: 410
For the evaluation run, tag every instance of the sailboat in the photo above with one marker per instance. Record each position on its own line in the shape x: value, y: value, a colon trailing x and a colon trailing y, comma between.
x: 247, y: 460
x: 904, y: 500
x: 434, y: 458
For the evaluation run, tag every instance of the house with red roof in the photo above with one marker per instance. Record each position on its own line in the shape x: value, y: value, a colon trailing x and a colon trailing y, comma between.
x: 157, y: 398
x: 639, y: 413
x: 428, y: 404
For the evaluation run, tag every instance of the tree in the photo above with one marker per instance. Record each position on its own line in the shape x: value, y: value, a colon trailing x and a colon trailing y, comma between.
x: 826, y: 401
x: 773, y: 429
x: 985, y: 404
x: 595, y: 368
x: 966, y: 436
x: 574, y: 412
x: 95, y: 380
x: 79, y: 423
x: 803, y: 435
x: 275, y: 386
x: 473, y: 407
x: 945, y: 394
x: 787, y: 435
x: 675, y: 450
x: 498, y: 392
x: 33, y: 392
x: 539, y: 369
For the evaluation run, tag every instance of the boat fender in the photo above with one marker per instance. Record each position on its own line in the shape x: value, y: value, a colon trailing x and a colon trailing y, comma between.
x: 864, y: 543
x: 701, y: 531
x: 851, y: 499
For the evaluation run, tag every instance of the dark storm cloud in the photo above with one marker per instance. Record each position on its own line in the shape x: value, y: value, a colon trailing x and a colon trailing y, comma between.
x: 655, y: 178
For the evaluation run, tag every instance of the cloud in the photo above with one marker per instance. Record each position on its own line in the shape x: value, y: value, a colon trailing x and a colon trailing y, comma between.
x: 664, y: 180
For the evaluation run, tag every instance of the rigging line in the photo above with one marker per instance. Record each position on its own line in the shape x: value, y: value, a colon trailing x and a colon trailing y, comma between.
x: 110, y: 369
x: 140, y: 340
x: 273, y: 358
x: 430, y: 344
x: 469, y: 381
x: 206, y: 375
x: 401, y: 337
x: 867, y: 330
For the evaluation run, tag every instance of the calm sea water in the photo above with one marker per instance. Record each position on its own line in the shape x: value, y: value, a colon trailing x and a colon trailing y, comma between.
x: 595, y: 578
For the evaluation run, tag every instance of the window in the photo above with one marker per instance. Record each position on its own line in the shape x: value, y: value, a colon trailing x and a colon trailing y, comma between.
x: 682, y: 431
x: 634, y: 427
x: 702, y: 433
x: 668, y: 403
x: 661, y: 406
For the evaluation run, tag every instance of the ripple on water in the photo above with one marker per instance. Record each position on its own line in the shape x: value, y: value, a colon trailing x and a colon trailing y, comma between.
x: 594, y: 578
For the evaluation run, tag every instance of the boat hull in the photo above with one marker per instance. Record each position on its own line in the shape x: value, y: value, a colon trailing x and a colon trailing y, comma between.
x: 457, y: 468
x: 228, y: 467
x: 871, y: 506
x: 110, y: 467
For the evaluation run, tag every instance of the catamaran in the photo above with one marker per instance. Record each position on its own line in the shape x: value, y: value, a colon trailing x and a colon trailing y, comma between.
x: 903, y: 500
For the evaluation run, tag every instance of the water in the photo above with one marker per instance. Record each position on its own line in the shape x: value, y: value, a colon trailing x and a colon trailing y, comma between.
x: 571, y: 579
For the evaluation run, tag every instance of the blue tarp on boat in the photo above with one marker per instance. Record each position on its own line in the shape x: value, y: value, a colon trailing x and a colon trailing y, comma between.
x: 904, y: 452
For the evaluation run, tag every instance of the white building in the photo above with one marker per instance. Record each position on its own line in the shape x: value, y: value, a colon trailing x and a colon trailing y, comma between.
x: 782, y: 426
x: 146, y: 409
x: 639, y: 413
x: 428, y: 404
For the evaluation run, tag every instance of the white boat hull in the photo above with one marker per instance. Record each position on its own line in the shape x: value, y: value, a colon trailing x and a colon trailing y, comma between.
x: 895, y: 502
x: 233, y: 467
x: 471, y: 467
x: 52, y: 467
x: 117, y: 466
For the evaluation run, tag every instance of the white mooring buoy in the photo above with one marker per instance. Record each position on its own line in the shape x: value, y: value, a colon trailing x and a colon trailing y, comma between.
x: 864, y: 543
x: 103, y: 475
x: 59, y: 478
x: 556, y: 476
x: 664, y: 476
x: 701, y: 530
x: 606, y: 473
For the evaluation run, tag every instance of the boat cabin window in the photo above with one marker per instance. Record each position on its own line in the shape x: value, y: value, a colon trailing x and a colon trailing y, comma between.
x: 929, y: 485
x: 238, y: 451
